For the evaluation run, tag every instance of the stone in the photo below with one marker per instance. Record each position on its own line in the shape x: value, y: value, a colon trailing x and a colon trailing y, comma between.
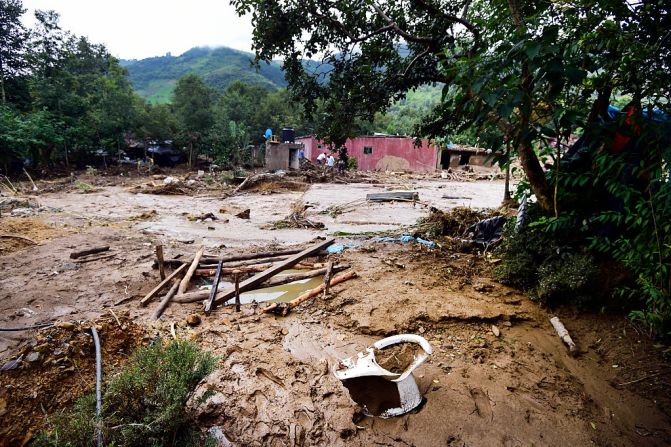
x: 243, y: 214
x: 495, y: 330
x: 193, y: 320
x: 33, y: 357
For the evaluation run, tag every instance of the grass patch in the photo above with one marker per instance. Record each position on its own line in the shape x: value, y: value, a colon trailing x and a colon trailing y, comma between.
x: 143, y: 403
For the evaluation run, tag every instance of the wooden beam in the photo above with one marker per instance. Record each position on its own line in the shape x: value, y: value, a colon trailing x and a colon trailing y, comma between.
x: 213, y: 291
x: 245, y: 257
x: 393, y: 196
x: 259, y: 278
x: 189, y: 273
x: 159, y: 259
x: 88, y: 251
x: 158, y: 288
x: 163, y: 305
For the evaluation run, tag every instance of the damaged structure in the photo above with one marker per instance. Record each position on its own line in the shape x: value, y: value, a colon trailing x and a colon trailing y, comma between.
x: 381, y: 152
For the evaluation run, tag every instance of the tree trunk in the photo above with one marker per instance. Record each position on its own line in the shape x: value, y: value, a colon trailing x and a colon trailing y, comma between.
x: 534, y: 172
x: 191, y: 154
x: 2, y: 82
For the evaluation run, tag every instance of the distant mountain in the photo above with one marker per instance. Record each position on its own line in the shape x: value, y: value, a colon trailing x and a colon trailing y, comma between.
x: 154, y: 78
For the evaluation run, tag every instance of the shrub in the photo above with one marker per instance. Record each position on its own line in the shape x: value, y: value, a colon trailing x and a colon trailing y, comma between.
x: 352, y: 164
x: 143, y: 403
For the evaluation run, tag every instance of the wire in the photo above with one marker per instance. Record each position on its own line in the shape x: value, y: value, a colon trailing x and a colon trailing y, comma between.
x: 27, y: 328
x: 96, y: 340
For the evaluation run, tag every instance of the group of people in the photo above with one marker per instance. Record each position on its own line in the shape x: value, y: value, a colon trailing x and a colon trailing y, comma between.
x: 328, y: 161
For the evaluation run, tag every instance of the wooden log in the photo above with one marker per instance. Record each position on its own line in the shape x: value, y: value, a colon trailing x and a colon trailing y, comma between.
x: 200, y: 295
x: 327, y: 277
x: 158, y: 288
x: 254, y: 261
x: 246, y: 257
x: 189, y: 273
x: 88, y: 251
x: 98, y: 258
x: 16, y: 236
x: 259, y: 278
x: 285, y: 307
x: 165, y: 302
x: 564, y: 335
x: 229, y: 271
x: 159, y: 259
x: 392, y: 196
x: 213, y: 291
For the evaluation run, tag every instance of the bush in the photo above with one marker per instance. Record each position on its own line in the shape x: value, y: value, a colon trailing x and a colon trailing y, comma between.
x: 143, y: 403
x: 533, y: 261
x: 352, y: 164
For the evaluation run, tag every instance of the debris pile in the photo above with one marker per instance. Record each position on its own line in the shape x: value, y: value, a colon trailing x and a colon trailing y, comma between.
x: 452, y: 223
x: 297, y: 219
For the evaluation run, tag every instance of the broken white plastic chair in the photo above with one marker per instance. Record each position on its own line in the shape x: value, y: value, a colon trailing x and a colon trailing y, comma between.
x: 367, y: 366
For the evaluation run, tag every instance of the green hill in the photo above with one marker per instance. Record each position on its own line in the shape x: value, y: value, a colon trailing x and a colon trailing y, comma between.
x: 154, y: 78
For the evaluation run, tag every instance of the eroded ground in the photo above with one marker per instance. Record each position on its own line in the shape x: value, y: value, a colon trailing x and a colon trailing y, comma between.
x: 273, y: 384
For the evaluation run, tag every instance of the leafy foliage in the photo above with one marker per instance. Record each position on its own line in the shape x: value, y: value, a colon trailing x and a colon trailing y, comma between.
x: 143, y: 403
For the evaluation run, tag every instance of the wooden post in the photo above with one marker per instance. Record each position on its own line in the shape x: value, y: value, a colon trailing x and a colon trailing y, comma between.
x: 194, y: 265
x: 236, y: 278
x: 213, y: 292
x: 327, y: 278
x: 159, y: 258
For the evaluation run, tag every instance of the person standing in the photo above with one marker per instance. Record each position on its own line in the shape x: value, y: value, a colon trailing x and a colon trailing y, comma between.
x: 341, y: 166
x: 331, y: 163
x: 321, y: 159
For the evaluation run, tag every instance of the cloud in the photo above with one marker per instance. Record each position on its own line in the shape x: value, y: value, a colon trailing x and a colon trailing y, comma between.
x: 144, y: 28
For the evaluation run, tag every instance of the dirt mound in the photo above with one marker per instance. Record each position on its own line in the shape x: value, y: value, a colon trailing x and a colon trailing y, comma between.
x: 32, y: 229
x: 57, y: 366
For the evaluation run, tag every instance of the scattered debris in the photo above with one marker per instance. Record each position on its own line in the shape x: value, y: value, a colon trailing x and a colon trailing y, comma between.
x: 395, y: 196
x: 88, y: 251
x: 243, y: 214
x: 564, y: 335
x: 297, y: 218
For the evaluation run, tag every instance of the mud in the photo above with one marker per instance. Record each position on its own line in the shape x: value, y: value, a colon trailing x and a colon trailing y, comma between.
x: 396, y: 358
x: 273, y: 384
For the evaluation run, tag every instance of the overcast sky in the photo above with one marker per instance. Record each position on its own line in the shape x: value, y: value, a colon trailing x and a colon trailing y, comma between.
x: 143, y: 28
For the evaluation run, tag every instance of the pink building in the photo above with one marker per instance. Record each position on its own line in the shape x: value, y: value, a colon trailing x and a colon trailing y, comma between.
x: 382, y: 153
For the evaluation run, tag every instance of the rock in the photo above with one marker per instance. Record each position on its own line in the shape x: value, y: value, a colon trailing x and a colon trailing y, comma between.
x: 285, y: 331
x: 421, y: 329
x: 507, y: 324
x: 193, y: 320
x: 243, y: 214
x: 33, y: 357
x: 495, y: 330
x: 65, y: 325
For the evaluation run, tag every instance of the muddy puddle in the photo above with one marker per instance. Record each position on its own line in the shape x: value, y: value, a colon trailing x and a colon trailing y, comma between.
x: 282, y: 293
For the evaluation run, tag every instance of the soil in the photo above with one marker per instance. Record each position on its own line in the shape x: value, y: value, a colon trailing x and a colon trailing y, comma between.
x: 273, y: 384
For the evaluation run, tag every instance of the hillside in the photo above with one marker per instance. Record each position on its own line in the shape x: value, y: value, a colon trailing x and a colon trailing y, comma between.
x: 154, y: 78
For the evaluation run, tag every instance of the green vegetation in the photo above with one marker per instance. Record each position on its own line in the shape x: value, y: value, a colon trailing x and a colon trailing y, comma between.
x: 143, y: 402
x: 155, y: 78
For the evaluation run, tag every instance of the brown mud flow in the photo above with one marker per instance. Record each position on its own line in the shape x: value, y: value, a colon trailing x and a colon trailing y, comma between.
x: 273, y: 385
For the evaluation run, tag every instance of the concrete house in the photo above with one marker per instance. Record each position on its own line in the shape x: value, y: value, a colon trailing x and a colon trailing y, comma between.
x: 382, y: 152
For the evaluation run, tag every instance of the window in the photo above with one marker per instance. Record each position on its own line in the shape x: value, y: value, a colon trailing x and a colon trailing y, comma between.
x: 367, y: 150
x: 319, y: 146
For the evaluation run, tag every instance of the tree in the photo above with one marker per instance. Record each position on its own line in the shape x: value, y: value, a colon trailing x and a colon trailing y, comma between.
x: 192, y: 102
x: 512, y: 65
x: 13, y: 39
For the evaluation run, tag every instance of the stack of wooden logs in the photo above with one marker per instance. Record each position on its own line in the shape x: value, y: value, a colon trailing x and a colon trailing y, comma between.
x: 247, y: 272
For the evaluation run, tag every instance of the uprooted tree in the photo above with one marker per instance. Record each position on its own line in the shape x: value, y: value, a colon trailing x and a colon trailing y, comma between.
x: 524, y: 70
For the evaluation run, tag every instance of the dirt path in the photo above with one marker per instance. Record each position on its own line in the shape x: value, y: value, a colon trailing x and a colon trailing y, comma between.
x: 274, y: 384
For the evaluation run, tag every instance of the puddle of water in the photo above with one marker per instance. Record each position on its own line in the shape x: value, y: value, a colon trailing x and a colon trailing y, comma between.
x: 282, y: 293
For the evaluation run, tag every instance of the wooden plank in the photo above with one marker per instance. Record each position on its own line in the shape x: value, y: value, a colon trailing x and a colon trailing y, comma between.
x: 88, y: 251
x: 392, y: 196
x: 158, y: 288
x: 213, y: 291
x: 189, y: 273
x: 259, y: 278
x: 284, y: 308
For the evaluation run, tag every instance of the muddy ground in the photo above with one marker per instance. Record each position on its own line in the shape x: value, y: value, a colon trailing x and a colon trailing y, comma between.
x: 273, y: 384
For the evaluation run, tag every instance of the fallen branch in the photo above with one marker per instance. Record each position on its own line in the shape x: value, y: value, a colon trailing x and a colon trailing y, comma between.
x: 88, y: 251
x: 83, y: 261
x: 245, y: 257
x: 564, y: 335
x: 213, y: 291
x: 16, y: 236
x: 189, y: 273
x: 284, y: 308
